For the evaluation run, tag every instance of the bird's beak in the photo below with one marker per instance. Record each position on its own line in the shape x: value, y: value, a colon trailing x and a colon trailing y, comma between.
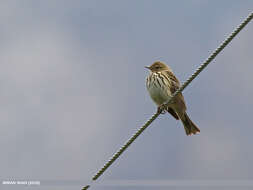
x: 147, y: 67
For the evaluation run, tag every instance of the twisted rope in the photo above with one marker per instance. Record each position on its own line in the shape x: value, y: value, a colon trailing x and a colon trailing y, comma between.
x: 185, y: 84
x: 212, y: 56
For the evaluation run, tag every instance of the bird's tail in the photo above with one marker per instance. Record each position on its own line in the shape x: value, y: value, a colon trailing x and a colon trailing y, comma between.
x: 189, y: 126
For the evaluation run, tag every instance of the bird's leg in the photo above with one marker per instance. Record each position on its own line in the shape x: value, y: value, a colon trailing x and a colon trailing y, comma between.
x: 161, y: 109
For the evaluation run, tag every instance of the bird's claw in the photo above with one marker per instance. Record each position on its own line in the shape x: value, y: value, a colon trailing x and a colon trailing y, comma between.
x: 161, y: 109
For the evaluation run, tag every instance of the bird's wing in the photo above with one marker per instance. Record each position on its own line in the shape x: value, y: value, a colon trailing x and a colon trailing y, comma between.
x: 175, y: 84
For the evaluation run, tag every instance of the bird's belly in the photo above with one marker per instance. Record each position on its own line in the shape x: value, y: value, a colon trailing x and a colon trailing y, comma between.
x: 158, y: 95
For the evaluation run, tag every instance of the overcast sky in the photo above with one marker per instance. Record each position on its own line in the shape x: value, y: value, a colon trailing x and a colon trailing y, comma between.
x: 72, y: 91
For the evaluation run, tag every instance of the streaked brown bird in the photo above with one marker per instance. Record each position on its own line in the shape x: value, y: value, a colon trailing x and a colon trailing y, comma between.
x: 161, y: 84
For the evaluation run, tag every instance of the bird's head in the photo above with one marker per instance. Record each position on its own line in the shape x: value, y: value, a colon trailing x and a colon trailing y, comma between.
x: 158, y: 66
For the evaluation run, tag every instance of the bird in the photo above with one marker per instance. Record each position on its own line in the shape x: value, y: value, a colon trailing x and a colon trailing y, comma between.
x: 161, y: 83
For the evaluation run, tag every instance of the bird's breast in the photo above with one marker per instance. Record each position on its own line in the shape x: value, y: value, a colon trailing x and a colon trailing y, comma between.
x: 158, y: 89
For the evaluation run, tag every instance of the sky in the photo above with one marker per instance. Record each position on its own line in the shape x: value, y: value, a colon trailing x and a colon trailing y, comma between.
x: 72, y: 92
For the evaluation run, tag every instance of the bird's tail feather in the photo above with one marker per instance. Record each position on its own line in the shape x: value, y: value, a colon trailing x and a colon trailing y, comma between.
x: 189, y: 126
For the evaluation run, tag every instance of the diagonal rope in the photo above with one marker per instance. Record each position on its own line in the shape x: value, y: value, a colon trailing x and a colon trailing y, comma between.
x: 212, y: 56
x: 186, y: 83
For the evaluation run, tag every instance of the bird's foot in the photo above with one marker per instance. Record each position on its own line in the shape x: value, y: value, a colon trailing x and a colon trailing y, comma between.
x: 161, y: 109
